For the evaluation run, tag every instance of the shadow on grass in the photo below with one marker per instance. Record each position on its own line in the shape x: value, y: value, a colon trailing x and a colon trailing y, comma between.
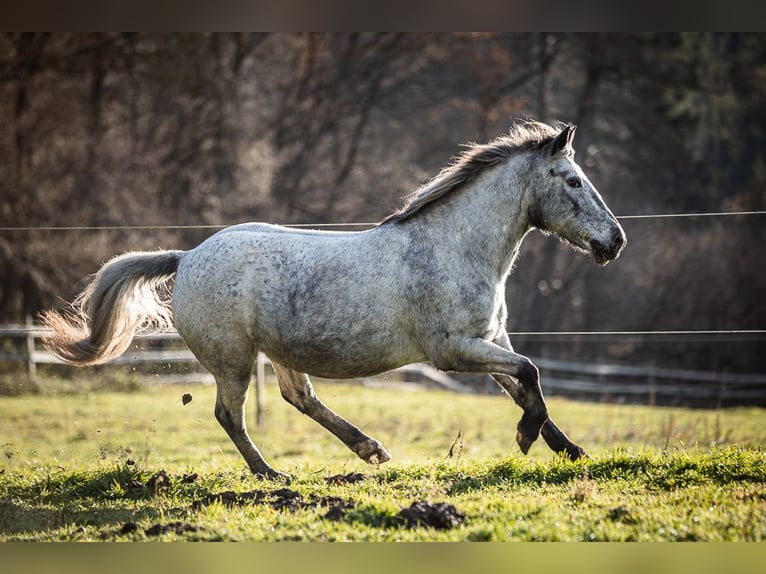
x: 22, y: 517
x: 83, y: 498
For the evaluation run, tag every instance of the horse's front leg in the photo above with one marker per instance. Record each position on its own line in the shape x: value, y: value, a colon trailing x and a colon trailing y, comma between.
x: 556, y: 439
x: 476, y: 354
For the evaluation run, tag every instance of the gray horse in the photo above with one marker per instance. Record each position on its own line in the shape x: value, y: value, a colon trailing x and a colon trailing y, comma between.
x: 427, y: 284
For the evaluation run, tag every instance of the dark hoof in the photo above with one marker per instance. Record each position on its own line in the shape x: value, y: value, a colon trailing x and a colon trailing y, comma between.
x: 524, y: 442
x: 529, y: 430
x: 574, y: 452
x: 560, y: 443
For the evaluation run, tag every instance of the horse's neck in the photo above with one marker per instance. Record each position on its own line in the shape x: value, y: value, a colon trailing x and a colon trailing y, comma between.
x: 485, y: 222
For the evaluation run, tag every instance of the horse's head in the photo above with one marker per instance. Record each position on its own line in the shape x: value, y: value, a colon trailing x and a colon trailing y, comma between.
x: 564, y: 202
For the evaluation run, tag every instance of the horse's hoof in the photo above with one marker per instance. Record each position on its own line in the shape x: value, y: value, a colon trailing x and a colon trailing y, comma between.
x: 528, y: 430
x: 371, y: 451
x: 524, y: 441
x: 274, y: 476
x: 574, y: 452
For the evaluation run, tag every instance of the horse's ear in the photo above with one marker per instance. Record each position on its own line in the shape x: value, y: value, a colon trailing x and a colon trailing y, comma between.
x: 562, y: 143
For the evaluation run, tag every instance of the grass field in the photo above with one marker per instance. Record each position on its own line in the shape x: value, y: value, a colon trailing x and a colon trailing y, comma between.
x: 145, y: 466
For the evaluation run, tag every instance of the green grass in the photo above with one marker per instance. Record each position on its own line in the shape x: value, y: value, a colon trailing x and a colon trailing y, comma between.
x: 81, y: 467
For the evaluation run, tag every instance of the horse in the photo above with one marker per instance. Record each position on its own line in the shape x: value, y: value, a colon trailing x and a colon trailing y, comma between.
x: 425, y: 284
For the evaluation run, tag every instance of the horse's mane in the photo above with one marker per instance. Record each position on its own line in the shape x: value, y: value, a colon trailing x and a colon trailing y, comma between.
x: 523, y: 136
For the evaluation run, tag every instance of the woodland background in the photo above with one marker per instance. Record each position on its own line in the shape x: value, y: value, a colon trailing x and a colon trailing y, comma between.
x: 116, y: 130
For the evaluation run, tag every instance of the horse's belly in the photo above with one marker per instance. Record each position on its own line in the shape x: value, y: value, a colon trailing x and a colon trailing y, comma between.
x: 343, y: 356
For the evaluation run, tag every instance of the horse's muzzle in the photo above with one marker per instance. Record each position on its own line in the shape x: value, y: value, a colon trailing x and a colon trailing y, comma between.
x: 604, y: 251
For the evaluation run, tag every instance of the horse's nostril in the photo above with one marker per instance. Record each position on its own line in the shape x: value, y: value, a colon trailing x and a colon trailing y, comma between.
x: 618, y: 241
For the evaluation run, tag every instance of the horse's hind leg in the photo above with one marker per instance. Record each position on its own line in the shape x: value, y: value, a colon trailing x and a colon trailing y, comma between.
x: 230, y: 413
x: 230, y: 358
x: 297, y: 390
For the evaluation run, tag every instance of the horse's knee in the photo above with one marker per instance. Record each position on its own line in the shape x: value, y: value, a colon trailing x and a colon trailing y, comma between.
x: 528, y: 374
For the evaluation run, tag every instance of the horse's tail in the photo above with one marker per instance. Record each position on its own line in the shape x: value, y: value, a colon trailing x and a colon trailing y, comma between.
x: 125, y: 295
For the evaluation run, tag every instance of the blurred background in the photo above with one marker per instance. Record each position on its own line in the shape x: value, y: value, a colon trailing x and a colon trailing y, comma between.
x: 120, y: 139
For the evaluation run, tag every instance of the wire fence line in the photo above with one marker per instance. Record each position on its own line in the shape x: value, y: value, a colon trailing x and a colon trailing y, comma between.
x: 331, y: 225
x: 646, y: 384
x: 705, y: 214
x: 640, y: 333
x: 20, y: 329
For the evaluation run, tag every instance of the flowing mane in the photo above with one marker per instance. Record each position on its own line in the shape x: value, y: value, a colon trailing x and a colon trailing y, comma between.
x: 523, y: 136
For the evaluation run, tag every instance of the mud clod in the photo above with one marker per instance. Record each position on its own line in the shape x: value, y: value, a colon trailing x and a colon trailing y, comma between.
x: 442, y: 516
x: 286, y: 499
x: 158, y: 481
x: 177, y: 527
x: 350, y: 478
x: 622, y: 514
x: 128, y: 528
x: 336, y: 507
x: 280, y: 499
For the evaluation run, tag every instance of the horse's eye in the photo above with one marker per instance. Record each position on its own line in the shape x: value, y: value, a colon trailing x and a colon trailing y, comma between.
x: 574, y: 182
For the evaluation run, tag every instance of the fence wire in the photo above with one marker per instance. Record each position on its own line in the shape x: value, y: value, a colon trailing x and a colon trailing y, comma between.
x: 330, y: 225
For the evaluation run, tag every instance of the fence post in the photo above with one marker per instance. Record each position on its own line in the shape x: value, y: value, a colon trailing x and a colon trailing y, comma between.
x: 652, y: 384
x: 31, y: 367
x: 260, y: 378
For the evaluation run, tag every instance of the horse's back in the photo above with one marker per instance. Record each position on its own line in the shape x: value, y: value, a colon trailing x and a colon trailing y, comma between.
x: 322, y: 302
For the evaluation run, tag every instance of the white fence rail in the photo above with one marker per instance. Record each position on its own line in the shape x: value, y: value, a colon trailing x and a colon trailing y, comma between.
x: 645, y: 383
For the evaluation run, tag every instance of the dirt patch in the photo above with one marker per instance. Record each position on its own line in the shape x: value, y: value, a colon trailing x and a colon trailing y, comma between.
x: 176, y: 527
x: 336, y: 507
x: 128, y: 528
x: 442, y: 516
x: 349, y: 478
x: 158, y: 481
x: 622, y: 514
x: 280, y: 499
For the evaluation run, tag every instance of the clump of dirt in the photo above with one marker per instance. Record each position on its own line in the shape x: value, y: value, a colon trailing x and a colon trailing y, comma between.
x: 286, y: 499
x: 129, y: 528
x: 177, y: 527
x: 280, y: 499
x: 336, y: 507
x: 158, y: 481
x: 231, y: 498
x: 622, y: 514
x: 442, y: 516
x: 350, y: 478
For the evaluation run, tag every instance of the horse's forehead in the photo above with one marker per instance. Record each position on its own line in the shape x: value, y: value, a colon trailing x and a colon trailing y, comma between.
x: 565, y: 163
